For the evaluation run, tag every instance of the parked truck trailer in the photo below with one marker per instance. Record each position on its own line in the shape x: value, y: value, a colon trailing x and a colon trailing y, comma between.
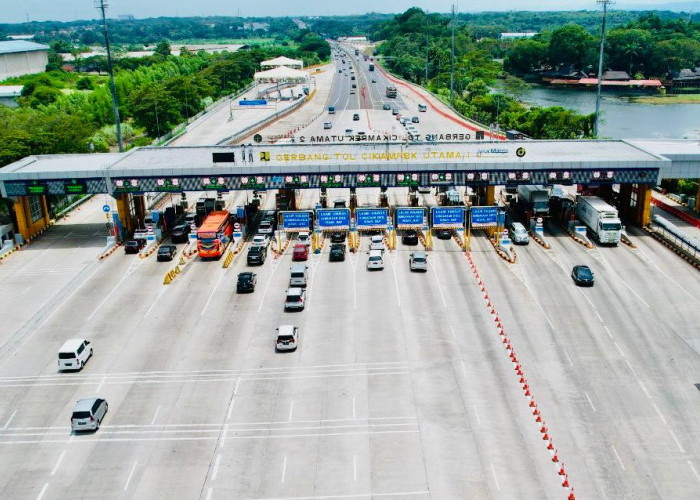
x: 601, y: 219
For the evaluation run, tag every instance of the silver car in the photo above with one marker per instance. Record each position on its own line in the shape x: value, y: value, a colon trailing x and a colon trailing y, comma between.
x: 418, y: 261
x: 88, y: 414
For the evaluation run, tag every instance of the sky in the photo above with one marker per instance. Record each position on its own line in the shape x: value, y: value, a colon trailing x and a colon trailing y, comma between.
x: 15, y: 11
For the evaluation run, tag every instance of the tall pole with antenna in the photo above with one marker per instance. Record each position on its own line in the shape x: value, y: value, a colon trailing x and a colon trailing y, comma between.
x: 427, y: 47
x: 101, y: 5
x: 452, y: 59
x: 605, y: 4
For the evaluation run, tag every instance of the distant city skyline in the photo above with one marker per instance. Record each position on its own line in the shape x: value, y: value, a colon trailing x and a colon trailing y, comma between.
x: 70, y: 10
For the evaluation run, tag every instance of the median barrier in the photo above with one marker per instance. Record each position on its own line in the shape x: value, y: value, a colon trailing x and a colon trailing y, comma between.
x: 7, y: 249
x: 109, y: 248
x: 539, y: 239
x: 148, y: 251
x: 693, y: 261
x: 228, y: 259
x: 578, y: 233
x: 508, y: 255
x: 625, y: 239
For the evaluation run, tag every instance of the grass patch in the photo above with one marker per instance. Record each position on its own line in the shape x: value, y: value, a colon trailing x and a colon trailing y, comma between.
x: 667, y: 99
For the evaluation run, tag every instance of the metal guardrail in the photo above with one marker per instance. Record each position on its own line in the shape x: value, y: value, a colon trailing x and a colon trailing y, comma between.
x: 246, y: 131
x: 675, y: 235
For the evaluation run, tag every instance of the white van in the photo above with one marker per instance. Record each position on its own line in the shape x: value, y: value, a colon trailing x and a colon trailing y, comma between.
x: 519, y: 233
x: 376, y: 242
x: 74, y: 354
x: 298, y: 275
x: 375, y: 260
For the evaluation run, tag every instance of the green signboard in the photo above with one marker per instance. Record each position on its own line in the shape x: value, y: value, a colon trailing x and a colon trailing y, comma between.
x: 253, y: 182
x: 331, y: 181
x: 296, y: 181
x: 36, y: 188
x: 408, y: 179
x: 214, y: 183
x: 168, y: 185
x: 369, y: 180
x: 75, y: 186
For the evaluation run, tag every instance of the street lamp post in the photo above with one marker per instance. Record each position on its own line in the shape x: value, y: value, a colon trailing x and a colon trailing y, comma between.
x: 605, y: 4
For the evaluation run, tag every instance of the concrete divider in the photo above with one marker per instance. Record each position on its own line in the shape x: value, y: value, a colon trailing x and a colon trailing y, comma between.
x: 578, y: 233
x: 109, y: 248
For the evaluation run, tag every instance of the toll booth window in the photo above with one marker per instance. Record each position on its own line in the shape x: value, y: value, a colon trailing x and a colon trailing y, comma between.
x: 35, y: 208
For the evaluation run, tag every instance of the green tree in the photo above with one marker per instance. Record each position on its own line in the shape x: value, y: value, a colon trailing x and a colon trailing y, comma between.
x: 155, y: 109
x: 162, y: 48
x: 55, y: 61
x: 571, y: 45
x: 43, y: 96
x: 628, y: 49
x: 524, y: 56
x: 674, y: 55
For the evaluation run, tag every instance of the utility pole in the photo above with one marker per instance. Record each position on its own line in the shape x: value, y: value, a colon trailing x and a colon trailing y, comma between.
x: 605, y: 4
x: 427, y: 46
x: 452, y: 59
x: 101, y: 5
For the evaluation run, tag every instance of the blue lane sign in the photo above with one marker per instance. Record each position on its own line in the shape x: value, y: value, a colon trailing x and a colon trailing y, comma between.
x: 484, y: 216
x: 372, y: 218
x: 333, y: 218
x: 106, y: 208
x: 252, y: 102
x: 448, y: 217
x: 296, y: 220
x: 409, y: 217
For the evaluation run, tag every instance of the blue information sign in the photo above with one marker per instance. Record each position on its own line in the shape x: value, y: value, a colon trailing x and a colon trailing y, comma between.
x: 484, y: 216
x: 333, y: 218
x: 296, y: 220
x: 409, y: 217
x: 448, y: 217
x: 252, y: 102
x: 106, y: 208
x: 371, y: 218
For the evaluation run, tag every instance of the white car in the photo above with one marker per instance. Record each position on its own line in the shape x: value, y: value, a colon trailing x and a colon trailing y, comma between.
x: 265, y: 227
x: 287, y: 336
x: 260, y: 240
x: 327, y: 125
x: 304, y: 238
x: 418, y: 261
x: 295, y: 299
x: 375, y: 260
x: 376, y: 242
x: 73, y: 354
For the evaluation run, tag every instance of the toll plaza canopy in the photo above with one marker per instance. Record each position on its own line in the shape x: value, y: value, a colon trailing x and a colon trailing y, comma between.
x: 281, y: 74
x: 346, y: 162
x: 282, y: 61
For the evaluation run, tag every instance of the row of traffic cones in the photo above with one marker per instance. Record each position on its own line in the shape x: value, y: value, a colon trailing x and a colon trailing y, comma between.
x: 517, y: 366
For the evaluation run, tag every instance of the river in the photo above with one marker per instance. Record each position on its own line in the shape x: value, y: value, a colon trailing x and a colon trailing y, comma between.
x: 622, y: 119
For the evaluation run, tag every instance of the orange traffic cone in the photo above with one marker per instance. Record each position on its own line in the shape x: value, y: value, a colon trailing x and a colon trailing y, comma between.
x: 555, y: 458
x: 571, y: 495
x: 550, y: 446
x: 565, y: 484
x: 562, y: 472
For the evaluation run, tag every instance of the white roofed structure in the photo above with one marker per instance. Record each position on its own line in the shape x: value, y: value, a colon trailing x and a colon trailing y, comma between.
x: 282, y: 61
x: 281, y: 74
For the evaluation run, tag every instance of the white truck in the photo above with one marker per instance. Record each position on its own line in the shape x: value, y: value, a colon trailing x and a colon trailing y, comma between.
x: 534, y: 199
x: 601, y: 219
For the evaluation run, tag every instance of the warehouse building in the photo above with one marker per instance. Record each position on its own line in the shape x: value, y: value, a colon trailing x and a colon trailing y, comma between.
x: 19, y: 57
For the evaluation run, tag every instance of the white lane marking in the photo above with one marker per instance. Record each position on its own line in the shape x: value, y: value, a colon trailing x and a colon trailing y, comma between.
x: 222, y: 445
x: 131, y: 475
x: 155, y: 301
x: 396, y: 279
x: 230, y: 409
x: 682, y: 288
x: 476, y: 413
x: 275, y: 266
x: 209, y: 493
x: 153, y: 420
x: 104, y: 379
x: 397, y: 494
x: 291, y: 411
x: 661, y: 416
x: 692, y: 467
x: 464, y: 368
x: 104, y: 301
x: 235, y: 388
x: 353, y: 407
x: 600, y: 318
x: 587, y: 298
x: 639, y: 297
x: 619, y: 460
x: 9, y: 420
x: 589, y: 400
x: 629, y: 365
x: 354, y: 468
x: 619, y: 349
x: 568, y: 358
x: 215, y: 472
x: 608, y: 332
x: 58, y: 463
x: 284, y: 468
x: 495, y: 479
x: 678, y: 443
x: 453, y: 331
x: 25, y: 291
x: 211, y: 295
x: 42, y: 492
x: 206, y: 438
x: 641, y: 384
x: 437, y: 280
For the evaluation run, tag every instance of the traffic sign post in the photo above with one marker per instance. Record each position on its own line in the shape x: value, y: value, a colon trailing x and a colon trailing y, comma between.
x: 106, y: 208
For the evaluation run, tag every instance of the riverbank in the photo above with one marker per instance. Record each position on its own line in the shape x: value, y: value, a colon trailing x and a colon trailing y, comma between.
x: 665, y: 99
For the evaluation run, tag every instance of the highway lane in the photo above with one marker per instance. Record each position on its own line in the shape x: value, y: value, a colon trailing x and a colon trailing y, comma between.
x: 601, y: 368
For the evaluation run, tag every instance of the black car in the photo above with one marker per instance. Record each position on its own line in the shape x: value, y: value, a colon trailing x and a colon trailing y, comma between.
x: 355, y: 117
x: 134, y: 246
x: 337, y: 252
x: 166, y: 252
x: 338, y: 237
x: 443, y: 234
x: 246, y: 282
x: 386, y: 107
x: 181, y: 233
x: 257, y: 255
x: 582, y: 276
x: 410, y: 237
